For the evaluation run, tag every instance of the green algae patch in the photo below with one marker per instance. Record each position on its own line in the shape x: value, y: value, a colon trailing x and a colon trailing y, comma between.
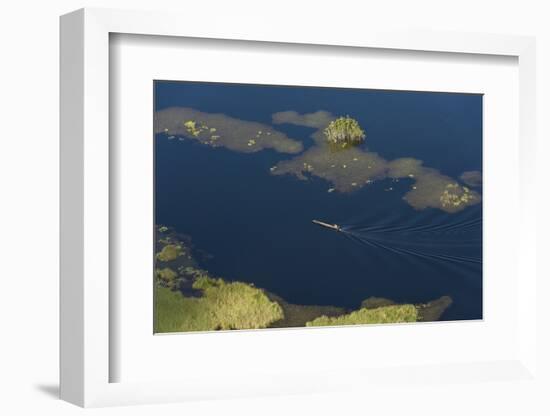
x: 170, y: 252
x: 381, y: 315
x: 222, y: 306
x: 220, y: 130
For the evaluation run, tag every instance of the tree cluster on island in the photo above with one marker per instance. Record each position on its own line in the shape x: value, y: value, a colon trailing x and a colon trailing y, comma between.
x: 344, y: 131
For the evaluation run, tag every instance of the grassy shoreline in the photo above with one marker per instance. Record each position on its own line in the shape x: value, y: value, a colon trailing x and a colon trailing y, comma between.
x: 190, y: 299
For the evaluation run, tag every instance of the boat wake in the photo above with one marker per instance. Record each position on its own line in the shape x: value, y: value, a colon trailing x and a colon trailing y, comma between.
x: 436, y: 238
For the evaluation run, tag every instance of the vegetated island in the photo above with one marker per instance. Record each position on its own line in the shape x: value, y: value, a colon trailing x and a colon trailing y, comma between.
x: 188, y: 298
x: 344, y: 132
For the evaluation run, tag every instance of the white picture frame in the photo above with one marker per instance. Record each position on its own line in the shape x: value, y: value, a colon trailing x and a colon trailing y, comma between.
x: 85, y: 206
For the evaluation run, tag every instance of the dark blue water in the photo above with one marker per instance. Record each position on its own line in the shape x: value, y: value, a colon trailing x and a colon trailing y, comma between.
x: 258, y: 226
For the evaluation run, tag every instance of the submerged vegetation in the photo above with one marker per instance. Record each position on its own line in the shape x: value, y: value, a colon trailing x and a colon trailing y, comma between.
x: 375, y: 302
x: 432, y: 311
x: 298, y: 315
x: 190, y: 299
x: 219, y: 130
x: 431, y: 188
x: 471, y: 178
x: 319, y: 119
x: 346, y: 170
x: 351, y: 167
x: 344, y: 131
x: 334, y: 157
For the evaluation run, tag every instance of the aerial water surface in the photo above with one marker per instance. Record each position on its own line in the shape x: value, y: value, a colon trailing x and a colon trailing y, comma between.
x: 242, y: 170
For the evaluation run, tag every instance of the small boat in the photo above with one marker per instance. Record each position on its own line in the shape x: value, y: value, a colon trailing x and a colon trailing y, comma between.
x: 334, y: 227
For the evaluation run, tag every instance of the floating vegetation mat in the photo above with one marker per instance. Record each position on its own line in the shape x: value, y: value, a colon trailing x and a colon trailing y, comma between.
x: 219, y: 130
x: 350, y: 169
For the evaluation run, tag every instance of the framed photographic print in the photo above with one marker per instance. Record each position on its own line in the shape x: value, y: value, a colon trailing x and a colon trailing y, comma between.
x: 279, y: 213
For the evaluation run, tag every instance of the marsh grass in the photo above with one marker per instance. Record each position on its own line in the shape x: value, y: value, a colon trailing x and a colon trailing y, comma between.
x: 166, y: 276
x: 222, y: 306
x: 205, y: 303
x: 382, y: 315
